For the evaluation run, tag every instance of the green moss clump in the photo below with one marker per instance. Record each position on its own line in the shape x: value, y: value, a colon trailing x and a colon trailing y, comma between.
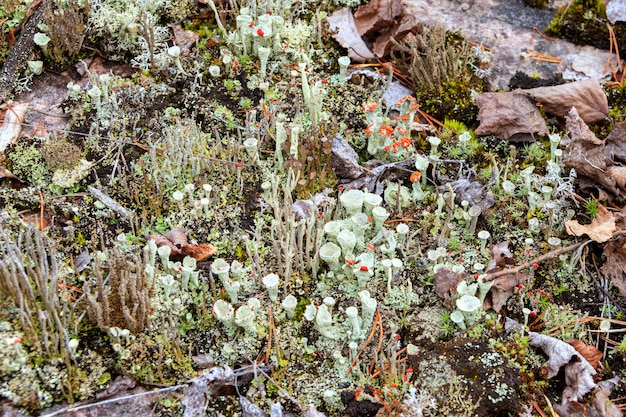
x: 617, y: 102
x: 66, y: 30
x: 26, y: 162
x: 60, y: 154
x: 440, y: 65
x: 584, y: 22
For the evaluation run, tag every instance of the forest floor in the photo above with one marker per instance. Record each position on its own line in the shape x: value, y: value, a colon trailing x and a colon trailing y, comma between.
x: 204, y: 216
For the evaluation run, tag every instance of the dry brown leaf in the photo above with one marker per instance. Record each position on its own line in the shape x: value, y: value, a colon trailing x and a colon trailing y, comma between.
x: 12, y: 127
x: 604, y: 406
x: 600, y: 230
x: 508, y: 114
x: 176, y: 239
x: 578, y: 371
x: 501, y: 257
x: 377, y: 15
x: 616, y: 142
x: 586, y: 154
x: 5, y: 173
x: 591, y: 353
x: 342, y: 23
x: 614, y: 267
x: 445, y: 280
x: 400, y: 32
x: 586, y: 95
x: 502, y: 289
x: 185, y: 39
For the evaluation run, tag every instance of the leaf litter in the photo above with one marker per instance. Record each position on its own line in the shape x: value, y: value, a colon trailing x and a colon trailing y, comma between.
x: 512, y: 116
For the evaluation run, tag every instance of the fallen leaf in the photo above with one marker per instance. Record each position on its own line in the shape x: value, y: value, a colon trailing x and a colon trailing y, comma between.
x: 586, y: 154
x: 176, y: 239
x: 5, y: 173
x: 604, y: 406
x: 578, y: 380
x: 342, y: 23
x: 614, y: 267
x: 501, y: 257
x: 399, y: 32
x: 376, y: 15
x: 508, y: 114
x: 591, y: 353
x: 578, y: 371
x: 502, y: 289
x: 600, y: 230
x: 185, y: 39
x: 12, y: 127
x: 586, y: 95
x: 445, y: 280
x: 615, y: 143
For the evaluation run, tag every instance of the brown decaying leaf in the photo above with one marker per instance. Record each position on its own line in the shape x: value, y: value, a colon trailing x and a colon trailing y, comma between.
x: 445, y: 280
x: 342, y: 23
x: 177, y: 242
x: 5, y: 173
x: 508, y: 114
x: 587, y: 154
x: 501, y: 257
x: 586, y: 95
x: 399, y: 31
x: 591, y: 353
x: 578, y: 371
x: 185, y: 39
x: 616, y: 142
x: 600, y: 230
x: 502, y: 289
x: 603, y: 404
x: 614, y: 267
x: 12, y: 127
x: 376, y: 15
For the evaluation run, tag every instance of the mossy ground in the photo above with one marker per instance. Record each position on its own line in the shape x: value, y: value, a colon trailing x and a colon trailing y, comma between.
x: 163, y: 116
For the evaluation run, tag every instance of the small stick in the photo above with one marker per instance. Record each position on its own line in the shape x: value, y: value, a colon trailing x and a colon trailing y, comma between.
x: 110, y: 203
x: 41, y: 210
x: 535, y: 30
x: 113, y: 400
x: 550, y: 255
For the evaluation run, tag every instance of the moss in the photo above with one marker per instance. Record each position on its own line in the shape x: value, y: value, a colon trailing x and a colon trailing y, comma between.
x: 616, y: 96
x: 60, y: 154
x: 584, y: 22
x: 66, y: 30
x: 440, y: 66
x: 27, y: 163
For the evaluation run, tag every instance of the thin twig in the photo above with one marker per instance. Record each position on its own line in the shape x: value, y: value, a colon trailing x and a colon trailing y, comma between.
x: 550, y: 255
x: 112, y: 400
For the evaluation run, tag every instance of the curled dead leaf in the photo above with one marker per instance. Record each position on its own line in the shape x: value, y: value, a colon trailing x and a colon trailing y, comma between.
x: 502, y: 289
x: 600, y: 230
x: 342, y: 23
x: 586, y: 95
x: 176, y: 239
x: 508, y: 114
x: 12, y: 127
x: 376, y: 15
x: 591, y: 353
x: 578, y: 371
x: 501, y: 257
x: 589, y: 156
x: 445, y: 280
x: 614, y: 267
